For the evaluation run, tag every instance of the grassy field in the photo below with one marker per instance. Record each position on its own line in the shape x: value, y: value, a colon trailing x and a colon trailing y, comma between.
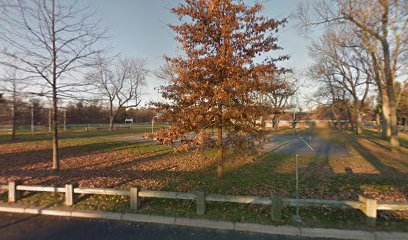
x: 94, y: 159
x: 78, y: 131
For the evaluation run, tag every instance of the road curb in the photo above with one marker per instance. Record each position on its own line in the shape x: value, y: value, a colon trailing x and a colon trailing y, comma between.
x: 337, y: 233
x: 190, y: 222
x: 220, y: 225
x: 390, y: 236
x: 97, y: 215
x: 148, y: 218
x: 53, y: 212
x: 270, y: 229
x: 12, y: 209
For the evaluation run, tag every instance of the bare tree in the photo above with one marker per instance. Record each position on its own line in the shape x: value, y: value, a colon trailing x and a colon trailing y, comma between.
x: 121, y: 83
x: 343, y: 66
x: 15, y: 87
x: 167, y: 72
x: 403, y: 104
x: 334, y: 97
x: 49, y: 42
x: 278, y: 96
x: 382, y: 27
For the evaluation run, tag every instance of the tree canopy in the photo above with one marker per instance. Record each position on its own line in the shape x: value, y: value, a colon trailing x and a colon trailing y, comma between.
x: 220, y: 72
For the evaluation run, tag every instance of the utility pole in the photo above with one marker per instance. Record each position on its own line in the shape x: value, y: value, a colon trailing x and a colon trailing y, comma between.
x: 297, y: 185
x: 297, y: 216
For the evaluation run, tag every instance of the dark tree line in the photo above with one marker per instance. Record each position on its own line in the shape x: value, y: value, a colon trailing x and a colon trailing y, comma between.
x: 78, y: 112
x: 95, y: 113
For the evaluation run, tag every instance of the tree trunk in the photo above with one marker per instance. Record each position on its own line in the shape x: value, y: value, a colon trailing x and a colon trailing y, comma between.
x: 358, y: 121
x: 352, y: 123
x: 111, y: 123
x: 275, y: 121
x: 393, y: 123
x: 333, y: 116
x: 220, y: 153
x: 385, y: 115
x: 13, y: 119
x: 394, y: 127
x: 378, y: 122
x: 389, y: 79
x: 349, y: 117
x: 383, y: 98
x: 111, y: 115
x: 54, y: 121
x: 55, y: 159
x: 32, y: 120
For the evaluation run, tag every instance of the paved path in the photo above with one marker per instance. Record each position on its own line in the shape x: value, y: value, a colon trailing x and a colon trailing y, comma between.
x: 305, y: 145
x: 33, y: 227
x: 302, y: 145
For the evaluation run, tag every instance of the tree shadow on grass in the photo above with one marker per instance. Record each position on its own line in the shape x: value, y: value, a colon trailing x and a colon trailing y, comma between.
x: 20, y: 159
x: 404, y: 140
x: 378, y: 163
x: 259, y: 176
x: 122, y: 170
x: 370, y: 135
x: 6, y: 139
x: 242, y: 178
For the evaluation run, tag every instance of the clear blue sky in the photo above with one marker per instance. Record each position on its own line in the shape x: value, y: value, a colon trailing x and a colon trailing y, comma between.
x: 138, y: 28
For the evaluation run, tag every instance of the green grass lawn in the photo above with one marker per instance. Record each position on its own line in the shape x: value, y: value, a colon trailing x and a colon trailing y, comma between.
x: 78, y: 131
x: 95, y: 160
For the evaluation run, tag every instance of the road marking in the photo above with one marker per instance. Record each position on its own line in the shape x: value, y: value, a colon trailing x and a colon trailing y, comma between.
x: 306, y: 143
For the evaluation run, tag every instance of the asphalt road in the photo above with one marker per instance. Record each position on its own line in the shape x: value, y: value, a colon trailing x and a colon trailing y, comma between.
x: 305, y: 145
x: 33, y: 227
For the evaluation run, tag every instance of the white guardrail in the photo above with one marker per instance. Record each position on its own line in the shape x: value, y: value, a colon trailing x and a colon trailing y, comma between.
x: 368, y: 206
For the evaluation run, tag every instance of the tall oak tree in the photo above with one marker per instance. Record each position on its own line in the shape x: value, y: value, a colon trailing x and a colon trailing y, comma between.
x: 220, y: 73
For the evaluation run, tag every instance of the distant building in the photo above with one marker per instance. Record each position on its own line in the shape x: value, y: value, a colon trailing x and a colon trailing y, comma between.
x: 317, y: 119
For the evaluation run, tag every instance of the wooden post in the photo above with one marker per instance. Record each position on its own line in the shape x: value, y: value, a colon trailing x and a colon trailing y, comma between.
x: 369, y: 208
x: 13, y: 194
x: 200, y: 202
x: 70, y: 196
x: 276, y: 208
x: 135, y: 201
